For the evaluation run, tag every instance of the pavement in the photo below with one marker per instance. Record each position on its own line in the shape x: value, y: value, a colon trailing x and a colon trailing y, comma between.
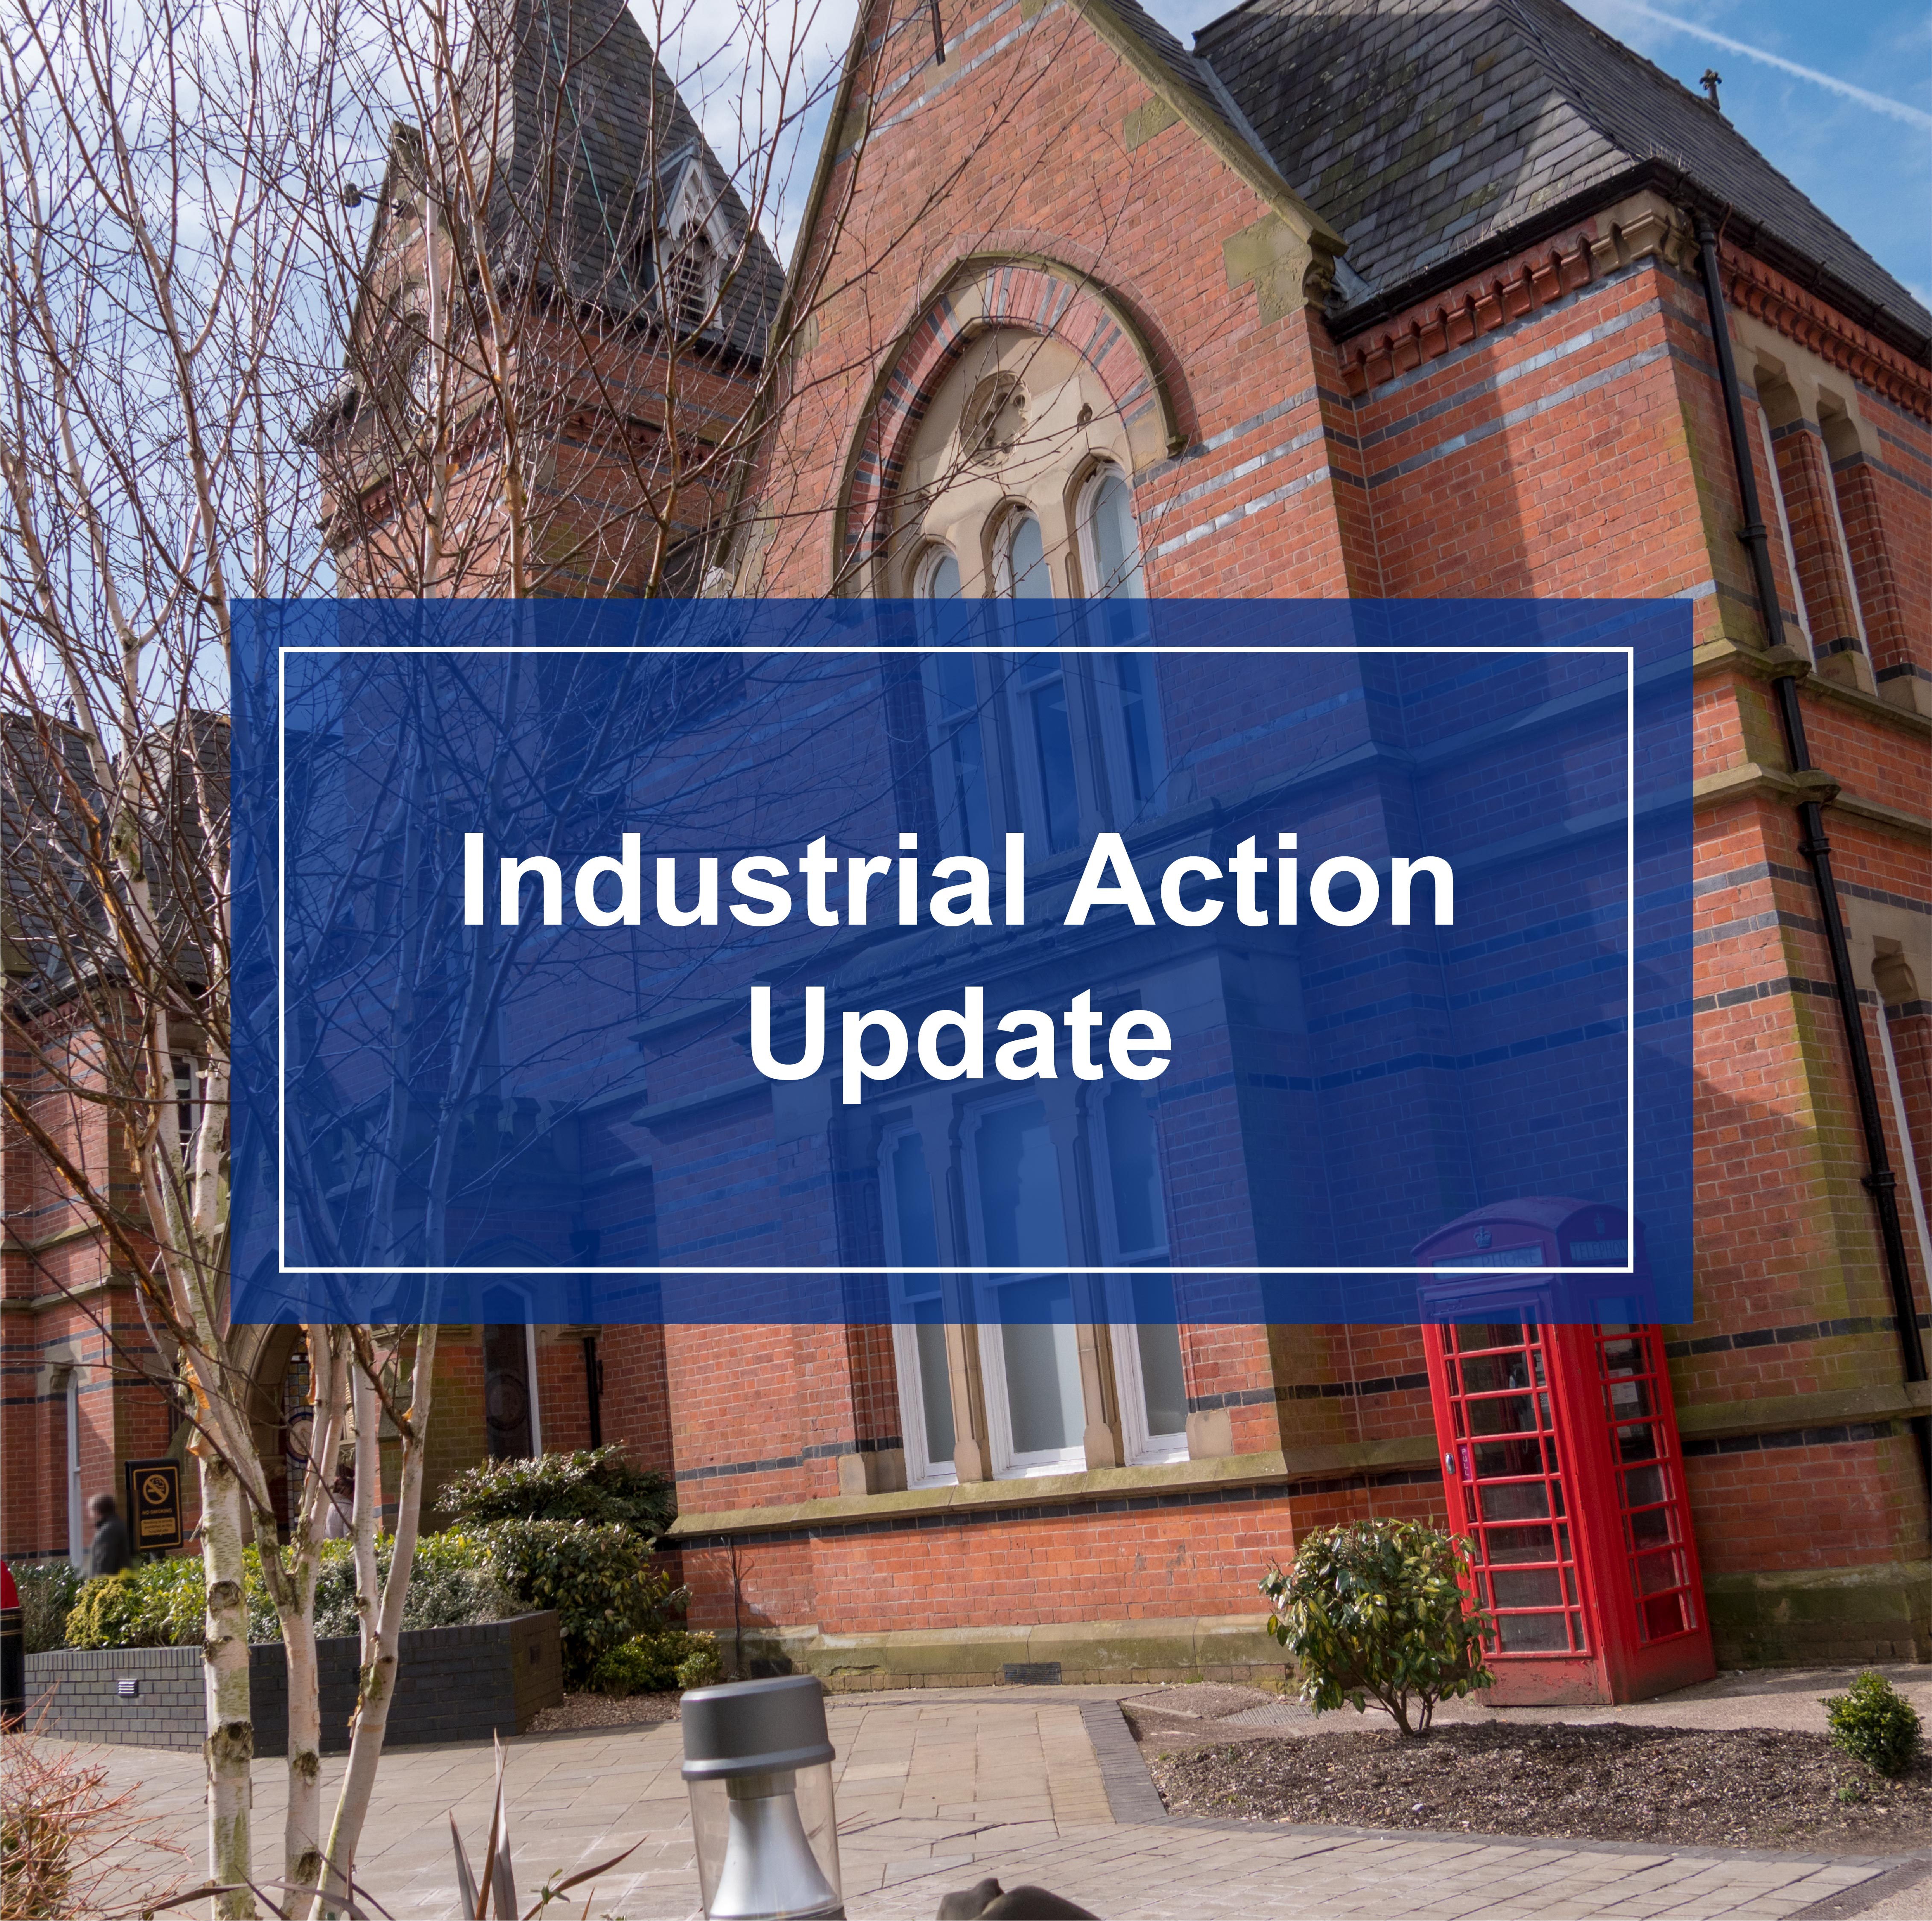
x: 1784, y: 1697
x: 938, y: 1789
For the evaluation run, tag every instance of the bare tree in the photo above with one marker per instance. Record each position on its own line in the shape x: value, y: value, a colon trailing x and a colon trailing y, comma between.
x: 164, y: 336
x: 496, y: 291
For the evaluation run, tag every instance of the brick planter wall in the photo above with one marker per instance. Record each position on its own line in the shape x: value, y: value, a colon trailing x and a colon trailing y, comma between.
x: 452, y: 1684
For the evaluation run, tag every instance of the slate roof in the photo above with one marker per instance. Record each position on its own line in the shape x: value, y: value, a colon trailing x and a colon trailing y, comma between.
x: 1430, y: 131
x: 592, y: 142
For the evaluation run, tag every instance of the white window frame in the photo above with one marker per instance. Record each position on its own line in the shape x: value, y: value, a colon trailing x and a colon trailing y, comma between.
x: 941, y: 726
x: 922, y: 1471
x: 1035, y: 814
x: 1088, y: 493
x: 1143, y: 1447
x: 1784, y: 527
x: 1010, y: 517
x: 187, y: 1084
x: 1005, y: 1464
x: 76, y: 1517
x: 1115, y: 742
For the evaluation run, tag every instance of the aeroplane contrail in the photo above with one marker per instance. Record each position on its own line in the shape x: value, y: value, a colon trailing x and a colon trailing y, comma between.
x: 1897, y: 109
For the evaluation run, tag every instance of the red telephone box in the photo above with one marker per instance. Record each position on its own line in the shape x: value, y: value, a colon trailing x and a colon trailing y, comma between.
x: 1560, y: 1460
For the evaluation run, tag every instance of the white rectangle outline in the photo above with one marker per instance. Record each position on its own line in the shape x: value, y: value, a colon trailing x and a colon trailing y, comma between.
x: 1628, y: 1271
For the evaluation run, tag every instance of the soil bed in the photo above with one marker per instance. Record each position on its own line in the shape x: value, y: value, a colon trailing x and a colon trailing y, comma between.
x: 595, y: 1710
x: 1730, y: 1787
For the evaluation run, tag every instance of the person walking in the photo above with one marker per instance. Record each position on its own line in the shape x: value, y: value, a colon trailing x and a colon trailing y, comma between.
x: 339, y: 1524
x: 109, y: 1552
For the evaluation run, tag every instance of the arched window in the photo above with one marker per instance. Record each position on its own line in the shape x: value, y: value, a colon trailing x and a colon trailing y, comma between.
x: 1110, y: 555
x: 936, y: 576
x: 953, y: 705
x: 1024, y: 573
x: 1111, y: 543
x: 1039, y: 686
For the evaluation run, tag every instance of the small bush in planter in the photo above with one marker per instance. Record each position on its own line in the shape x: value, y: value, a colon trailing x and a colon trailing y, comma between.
x: 1376, y: 1608
x: 599, y: 1579
x: 1874, y: 1723
x: 160, y: 1603
x: 655, y: 1663
x: 594, y: 1484
x: 453, y: 1584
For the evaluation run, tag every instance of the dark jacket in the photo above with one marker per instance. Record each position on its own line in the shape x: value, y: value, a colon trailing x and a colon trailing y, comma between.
x: 108, y: 1552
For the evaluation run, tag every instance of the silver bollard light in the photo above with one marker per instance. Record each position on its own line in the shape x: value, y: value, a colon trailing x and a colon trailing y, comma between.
x: 758, y: 1762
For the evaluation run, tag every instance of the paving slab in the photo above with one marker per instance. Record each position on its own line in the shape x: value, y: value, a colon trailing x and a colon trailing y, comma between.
x: 938, y: 1789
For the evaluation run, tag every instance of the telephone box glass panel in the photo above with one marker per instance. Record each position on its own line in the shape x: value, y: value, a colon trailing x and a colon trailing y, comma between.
x: 1649, y: 1481
x: 1513, y: 1488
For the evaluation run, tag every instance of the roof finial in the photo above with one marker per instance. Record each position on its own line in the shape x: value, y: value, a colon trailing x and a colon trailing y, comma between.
x: 1711, y: 81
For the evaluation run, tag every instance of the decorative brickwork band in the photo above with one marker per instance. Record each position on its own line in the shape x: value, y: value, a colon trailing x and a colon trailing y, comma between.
x: 1536, y: 278
x: 1766, y: 295
x: 1644, y: 227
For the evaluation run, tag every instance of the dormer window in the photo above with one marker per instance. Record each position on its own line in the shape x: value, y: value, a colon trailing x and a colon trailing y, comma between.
x: 689, y: 284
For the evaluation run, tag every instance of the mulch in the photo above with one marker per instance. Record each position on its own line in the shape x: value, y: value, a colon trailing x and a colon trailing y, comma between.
x: 594, y: 1711
x: 1730, y: 1787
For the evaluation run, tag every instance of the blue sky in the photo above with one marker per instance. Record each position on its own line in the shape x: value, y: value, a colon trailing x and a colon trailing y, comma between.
x: 1869, y: 169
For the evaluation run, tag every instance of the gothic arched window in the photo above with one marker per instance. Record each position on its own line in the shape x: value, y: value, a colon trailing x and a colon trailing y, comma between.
x: 1110, y: 563
x: 1110, y: 542
x: 954, y: 707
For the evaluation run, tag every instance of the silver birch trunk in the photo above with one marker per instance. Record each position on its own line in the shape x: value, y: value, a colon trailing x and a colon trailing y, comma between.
x: 293, y: 1587
x: 379, y: 1668
x: 230, y: 1747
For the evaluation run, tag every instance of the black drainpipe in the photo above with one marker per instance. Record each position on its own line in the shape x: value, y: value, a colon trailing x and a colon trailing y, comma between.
x: 1881, y: 1183
x: 593, y: 1389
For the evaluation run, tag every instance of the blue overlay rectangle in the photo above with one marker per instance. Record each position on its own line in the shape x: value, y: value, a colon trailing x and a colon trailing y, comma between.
x: 754, y: 962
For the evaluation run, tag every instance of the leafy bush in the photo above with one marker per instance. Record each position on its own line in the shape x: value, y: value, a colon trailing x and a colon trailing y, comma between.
x: 655, y: 1663
x: 598, y: 1578
x: 594, y: 1484
x: 161, y: 1604
x: 1376, y: 1607
x: 1874, y: 1723
x: 452, y: 1585
x: 164, y: 1603
x: 48, y: 1591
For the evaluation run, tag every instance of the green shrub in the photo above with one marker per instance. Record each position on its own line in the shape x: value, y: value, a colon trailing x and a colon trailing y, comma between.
x: 599, y: 1579
x: 655, y: 1663
x: 1376, y: 1608
x: 161, y: 1604
x: 594, y: 1484
x: 48, y: 1591
x: 453, y: 1584
x: 1874, y: 1723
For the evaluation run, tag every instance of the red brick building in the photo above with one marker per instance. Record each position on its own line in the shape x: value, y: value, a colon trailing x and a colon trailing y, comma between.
x: 1378, y: 304
x: 1388, y: 306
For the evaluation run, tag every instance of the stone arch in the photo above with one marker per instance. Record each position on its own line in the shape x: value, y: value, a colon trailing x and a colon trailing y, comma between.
x: 1025, y: 292
x: 264, y: 1356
